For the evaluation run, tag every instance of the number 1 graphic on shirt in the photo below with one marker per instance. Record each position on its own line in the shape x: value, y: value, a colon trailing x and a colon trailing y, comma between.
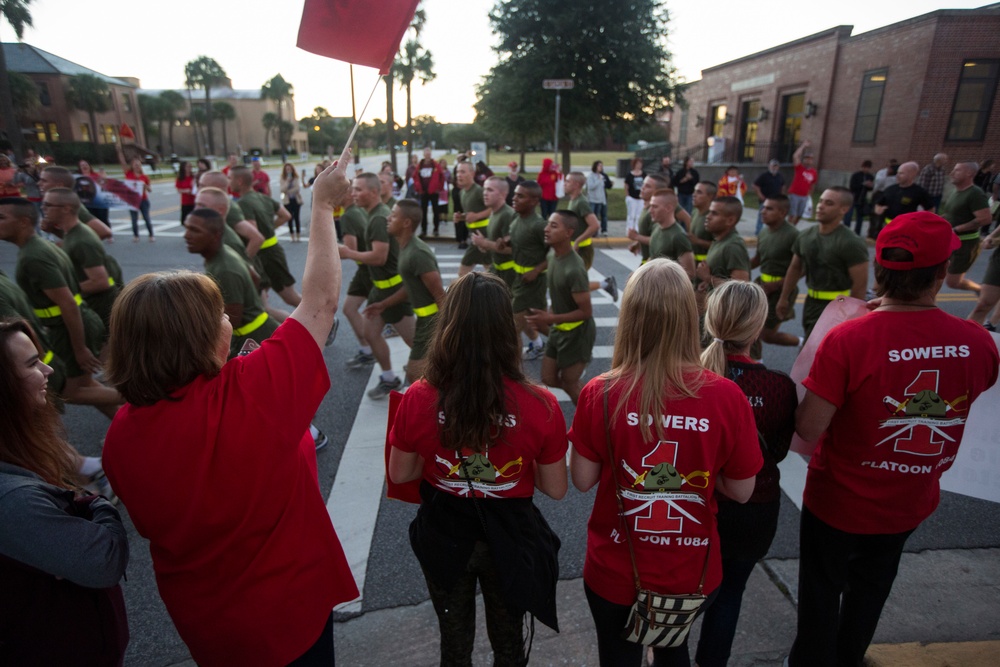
x: 660, y: 516
x: 923, y: 399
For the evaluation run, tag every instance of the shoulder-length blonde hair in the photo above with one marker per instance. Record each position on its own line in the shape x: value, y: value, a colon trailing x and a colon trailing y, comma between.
x: 734, y: 318
x: 656, y: 344
x: 165, y: 330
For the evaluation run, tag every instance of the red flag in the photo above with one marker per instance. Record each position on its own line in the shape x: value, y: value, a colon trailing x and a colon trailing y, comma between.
x: 126, y: 132
x: 363, y: 32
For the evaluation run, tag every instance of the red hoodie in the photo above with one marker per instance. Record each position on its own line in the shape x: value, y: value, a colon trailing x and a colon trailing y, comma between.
x: 547, y: 178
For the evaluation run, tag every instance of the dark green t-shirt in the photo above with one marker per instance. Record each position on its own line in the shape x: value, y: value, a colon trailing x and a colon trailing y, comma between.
x: 499, y: 227
x: 472, y: 201
x: 567, y: 275
x: 582, y: 208
x: 645, y: 229
x: 354, y: 222
x: 774, y: 248
x: 234, y: 216
x: 83, y: 215
x: 527, y: 240
x: 960, y: 207
x: 86, y: 251
x: 671, y: 242
x: 727, y: 255
x: 261, y: 210
x: 230, y: 272
x: 698, y: 229
x: 415, y: 260
x: 13, y: 303
x: 42, y: 266
x: 378, y: 230
x: 826, y: 258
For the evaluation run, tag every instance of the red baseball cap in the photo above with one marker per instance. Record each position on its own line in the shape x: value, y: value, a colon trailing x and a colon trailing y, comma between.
x: 927, y: 236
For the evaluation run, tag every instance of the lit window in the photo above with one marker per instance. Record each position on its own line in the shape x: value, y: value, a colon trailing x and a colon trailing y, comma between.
x: 869, y: 105
x: 974, y: 100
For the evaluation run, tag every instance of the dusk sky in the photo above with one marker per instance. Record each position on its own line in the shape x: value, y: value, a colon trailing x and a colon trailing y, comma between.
x: 152, y: 40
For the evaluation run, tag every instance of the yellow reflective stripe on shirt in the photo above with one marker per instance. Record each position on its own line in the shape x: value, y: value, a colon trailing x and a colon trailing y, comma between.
x: 111, y: 281
x: 827, y: 296
x: 269, y: 242
x: 768, y: 278
x: 584, y: 243
x: 55, y: 311
x: 700, y: 258
x: 257, y: 323
x: 477, y: 224
x: 970, y: 236
x: 567, y: 326
x: 47, y: 359
x: 505, y: 266
x: 386, y: 284
x: 520, y: 268
x: 426, y: 310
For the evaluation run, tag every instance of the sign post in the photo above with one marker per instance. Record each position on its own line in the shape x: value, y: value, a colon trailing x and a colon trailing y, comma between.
x: 557, y: 85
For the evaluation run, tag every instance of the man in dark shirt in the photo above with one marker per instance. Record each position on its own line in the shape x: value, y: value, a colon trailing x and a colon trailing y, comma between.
x: 767, y: 185
x: 905, y: 196
x: 861, y: 184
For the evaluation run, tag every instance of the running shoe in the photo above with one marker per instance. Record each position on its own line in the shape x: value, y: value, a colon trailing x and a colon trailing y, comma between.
x: 332, y: 336
x: 321, y: 440
x: 989, y: 326
x: 99, y: 485
x: 534, y: 352
x: 612, y: 288
x: 383, y: 388
x: 360, y: 360
x: 389, y: 331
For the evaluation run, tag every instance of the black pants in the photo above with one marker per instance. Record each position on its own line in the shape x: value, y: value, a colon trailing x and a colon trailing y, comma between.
x: 548, y: 207
x: 294, y: 225
x: 432, y: 198
x: 185, y: 211
x: 461, y: 231
x: 613, y: 651
x: 456, y: 612
x: 844, y: 580
x: 321, y: 653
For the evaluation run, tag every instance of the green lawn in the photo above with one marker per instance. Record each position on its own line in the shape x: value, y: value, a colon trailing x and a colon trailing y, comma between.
x: 580, y: 160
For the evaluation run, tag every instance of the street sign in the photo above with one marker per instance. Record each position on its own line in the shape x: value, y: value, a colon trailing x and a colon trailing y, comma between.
x: 557, y: 84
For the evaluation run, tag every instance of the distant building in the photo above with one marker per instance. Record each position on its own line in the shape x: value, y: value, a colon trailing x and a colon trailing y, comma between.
x: 906, y: 91
x: 53, y: 119
x: 242, y: 134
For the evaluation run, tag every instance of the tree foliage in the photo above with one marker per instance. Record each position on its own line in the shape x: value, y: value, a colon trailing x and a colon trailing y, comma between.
x: 172, y: 103
x: 224, y: 111
x: 278, y: 90
x: 617, y: 59
x: 16, y: 14
x: 89, y: 93
x: 204, y: 72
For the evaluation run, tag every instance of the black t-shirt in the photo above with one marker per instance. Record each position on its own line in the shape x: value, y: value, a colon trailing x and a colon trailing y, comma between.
x: 770, y: 184
x: 901, y: 200
x: 686, y: 187
x: 857, y: 187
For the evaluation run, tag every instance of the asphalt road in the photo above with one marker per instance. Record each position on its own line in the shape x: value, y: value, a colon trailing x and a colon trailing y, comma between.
x: 393, y: 577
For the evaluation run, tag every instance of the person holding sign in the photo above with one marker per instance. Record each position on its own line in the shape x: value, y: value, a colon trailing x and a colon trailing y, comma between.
x: 889, y: 393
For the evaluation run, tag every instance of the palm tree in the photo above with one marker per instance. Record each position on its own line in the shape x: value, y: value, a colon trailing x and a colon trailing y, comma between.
x: 172, y: 103
x: 91, y: 94
x: 200, y: 119
x: 415, y: 63
x: 15, y: 12
x: 224, y: 111
x: 204, y: 72
x: 278, y: 90
x: 417, y: 26
x: 269, y: 121
x: 154, y: 111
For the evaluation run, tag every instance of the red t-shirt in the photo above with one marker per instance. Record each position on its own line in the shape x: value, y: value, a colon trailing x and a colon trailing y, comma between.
x: 902, y: 383
x: 534, y: 432
x: 187, y: 198
x: 803, y: 181
x: 132, y: 176
x: 262, y: 182
x: 222, y: 481
x: 671, y: 525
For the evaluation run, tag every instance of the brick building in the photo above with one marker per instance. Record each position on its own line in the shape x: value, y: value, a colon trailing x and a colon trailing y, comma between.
x: 905, y: 91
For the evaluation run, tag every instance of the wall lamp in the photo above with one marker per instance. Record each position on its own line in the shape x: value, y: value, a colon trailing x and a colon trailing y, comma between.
x: 699, y: 121
x: 811, y: 109
x: 763, y: 114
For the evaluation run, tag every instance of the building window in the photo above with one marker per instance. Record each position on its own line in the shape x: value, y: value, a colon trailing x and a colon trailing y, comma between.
x: 40, y: 131
x: 718, y: 119
x: 53, y: 132
x: 43, y: 94
x: 748, y: 131
x: 126, y: 102
x: 682, y: 136
x: 792, y: 112
x: 84, y: 132
x: 869, y: 106
x: 974, y: 100
x: 109, y: 134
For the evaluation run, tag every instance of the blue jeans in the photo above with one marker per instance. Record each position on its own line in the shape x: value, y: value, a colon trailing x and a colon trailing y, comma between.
x: 718, y: 625
x: 601, y: 211
x: 686, y: 202
x: 144, y: 209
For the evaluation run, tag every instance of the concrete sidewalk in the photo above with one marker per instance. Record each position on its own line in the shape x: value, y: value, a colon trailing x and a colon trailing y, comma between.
x: 943, y: 611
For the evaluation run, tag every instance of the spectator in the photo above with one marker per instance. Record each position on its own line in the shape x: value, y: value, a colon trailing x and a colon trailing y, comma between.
x: 62, y: 550
x: 800, y: 191
x: 768, y: 185
x: 502, y: 436
x: 291, y: 198
x: 933, y: 177
x: 482, y: 173
x: 620, y: 443
x: 598, y: 185
x: 684, y: 181
x: 633, y: 202
x: 261, y: 590
x: 428, y: 182
x: 514, y: 179
x: 732, y: 184
x: 133, y: 172
x: 8, y: 188
x: 549, y: 175
x: 665, y: 169
x: 861, y: 185
x: 984, y: 177
x: 86, y: 172
x: 261, y: 181
x: 185, y: 185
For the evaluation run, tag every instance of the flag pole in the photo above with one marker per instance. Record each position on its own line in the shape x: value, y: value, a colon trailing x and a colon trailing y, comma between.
x: 357, y: 121
x: 354, y: 116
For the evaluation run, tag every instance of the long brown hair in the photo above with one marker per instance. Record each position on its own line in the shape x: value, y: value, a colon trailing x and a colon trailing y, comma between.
x: 165, y: 329
x: 475, y: 346
x: 31, y: 435
x: 656, y: 343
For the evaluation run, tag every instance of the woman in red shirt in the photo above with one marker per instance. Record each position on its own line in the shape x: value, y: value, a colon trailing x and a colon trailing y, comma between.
x: 133, y: 172
x: 674, y: 434
x: 246, y: 559
x: 186, y: 187
x: 481, y: 437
